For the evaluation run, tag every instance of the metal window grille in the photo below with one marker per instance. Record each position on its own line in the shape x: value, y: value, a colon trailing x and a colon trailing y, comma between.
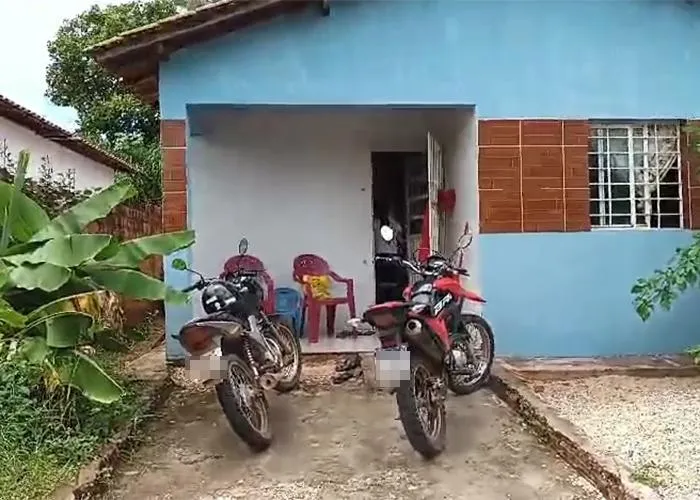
x: 635, y: 177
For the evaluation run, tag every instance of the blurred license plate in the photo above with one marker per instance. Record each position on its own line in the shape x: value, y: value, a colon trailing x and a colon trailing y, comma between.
x: 210, y: 366
x: 392, y: 366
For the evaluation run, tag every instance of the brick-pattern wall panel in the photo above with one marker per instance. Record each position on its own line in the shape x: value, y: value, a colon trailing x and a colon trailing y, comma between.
x: 126, y: 223
x: 533, y: 176
x: 690, y: 178
x: 576, y: 181
x: 129, y: 222
x: 500, y: 201
x: 173, y: 146
x: 543, y: 175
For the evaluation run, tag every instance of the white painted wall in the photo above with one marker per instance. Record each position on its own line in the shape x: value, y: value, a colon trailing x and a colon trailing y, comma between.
x: 293, y: 182
x: 89, y: 174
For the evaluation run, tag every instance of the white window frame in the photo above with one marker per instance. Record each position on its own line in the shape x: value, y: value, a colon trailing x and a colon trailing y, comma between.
x: 604, y: 199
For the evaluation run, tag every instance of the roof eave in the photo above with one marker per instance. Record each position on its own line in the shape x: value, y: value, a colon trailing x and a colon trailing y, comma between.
x: 135, y: 55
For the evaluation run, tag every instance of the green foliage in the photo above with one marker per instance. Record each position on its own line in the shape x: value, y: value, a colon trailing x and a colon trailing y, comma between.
x: 105, y: 109
x: 108, y: 114
x: 664, y: 286
x: 53, y: 258
x: 47, y: 435
x: 146, y: 156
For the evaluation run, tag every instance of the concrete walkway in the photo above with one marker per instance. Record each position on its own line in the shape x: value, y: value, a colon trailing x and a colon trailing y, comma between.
x: 342, y: 444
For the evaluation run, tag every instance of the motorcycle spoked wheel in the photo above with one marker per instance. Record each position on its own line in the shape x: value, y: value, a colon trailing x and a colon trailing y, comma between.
x: 245, y: 405
x: 474, y: 325
x: 288, y: 344
x: 421, y: 404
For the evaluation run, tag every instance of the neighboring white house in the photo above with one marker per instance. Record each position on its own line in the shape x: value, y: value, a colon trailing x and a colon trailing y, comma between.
x: 55, y: 147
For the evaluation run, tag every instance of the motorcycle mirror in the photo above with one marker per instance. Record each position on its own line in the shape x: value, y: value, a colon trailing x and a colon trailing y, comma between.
x: 243, y: 246
x: 387, y: 233
x: 179, y: 265
x: 464, y: 241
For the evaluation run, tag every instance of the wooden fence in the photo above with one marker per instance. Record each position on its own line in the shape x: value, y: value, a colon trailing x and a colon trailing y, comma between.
x: 126, y: 223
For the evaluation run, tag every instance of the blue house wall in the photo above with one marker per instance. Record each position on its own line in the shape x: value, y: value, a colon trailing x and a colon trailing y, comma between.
x: 550, y: 293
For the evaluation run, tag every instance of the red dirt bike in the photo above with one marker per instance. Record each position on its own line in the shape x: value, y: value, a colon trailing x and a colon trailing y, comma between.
x: 427, y: 345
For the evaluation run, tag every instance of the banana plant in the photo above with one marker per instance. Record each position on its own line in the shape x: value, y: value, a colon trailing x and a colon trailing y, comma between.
x: 44, y: 262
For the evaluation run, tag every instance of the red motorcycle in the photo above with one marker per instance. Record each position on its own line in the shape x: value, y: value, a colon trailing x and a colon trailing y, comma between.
x: 428, y: 344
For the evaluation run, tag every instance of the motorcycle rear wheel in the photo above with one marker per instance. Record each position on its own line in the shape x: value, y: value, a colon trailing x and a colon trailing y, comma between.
x: 245, y: 405
x: 291, y: 373
x: 422, y: 417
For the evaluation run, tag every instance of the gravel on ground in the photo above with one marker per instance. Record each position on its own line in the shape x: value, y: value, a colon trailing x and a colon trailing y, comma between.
x: 651, y: 424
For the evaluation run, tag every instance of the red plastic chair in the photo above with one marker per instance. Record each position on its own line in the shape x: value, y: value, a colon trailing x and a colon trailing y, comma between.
x: 313, y: 265
x: 250, y: 263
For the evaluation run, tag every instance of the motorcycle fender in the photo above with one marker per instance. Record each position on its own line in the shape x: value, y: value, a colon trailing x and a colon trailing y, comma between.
x: 473, y: 296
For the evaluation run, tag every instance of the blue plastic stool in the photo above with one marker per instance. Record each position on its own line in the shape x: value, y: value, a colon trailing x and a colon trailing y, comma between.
x: 288, y: 302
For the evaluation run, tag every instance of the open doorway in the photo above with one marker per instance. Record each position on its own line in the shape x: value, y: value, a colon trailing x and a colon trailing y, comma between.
x: 400, y: 197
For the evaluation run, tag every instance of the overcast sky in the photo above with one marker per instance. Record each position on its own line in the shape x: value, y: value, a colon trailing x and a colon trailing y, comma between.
x: 25, y: 28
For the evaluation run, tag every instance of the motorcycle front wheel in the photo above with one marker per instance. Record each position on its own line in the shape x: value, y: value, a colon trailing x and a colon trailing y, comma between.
x: 245, y: 405
x: 477, y: 332
x: 422, y: 407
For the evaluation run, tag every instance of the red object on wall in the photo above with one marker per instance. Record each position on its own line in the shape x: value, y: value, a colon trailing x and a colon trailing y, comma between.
x: 447, y: 200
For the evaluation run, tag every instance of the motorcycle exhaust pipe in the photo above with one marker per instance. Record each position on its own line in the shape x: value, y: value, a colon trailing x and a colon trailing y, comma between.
x: 268, y: 381
x: 423, y: 340
x: 414, y: 327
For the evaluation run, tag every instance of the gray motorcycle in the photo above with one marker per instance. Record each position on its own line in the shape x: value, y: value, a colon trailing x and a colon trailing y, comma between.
x: 253, y: 352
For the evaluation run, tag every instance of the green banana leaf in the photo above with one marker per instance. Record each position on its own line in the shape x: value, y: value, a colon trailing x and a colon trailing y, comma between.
x: 65, y: 251
x: 66, y: 329
x: 11, y: 209
x: 10, y: 317
x: 134, y: 284
x: 34, y: 349
x: 26, y: 301
x: 131, y: 253
x: 103, y: 305
x: 61, y: 329
x: 27, y: 217
x: 4, y: 274
x: 81, y: 302
x: 75, y: 219
x: 82, y: 372
x: 21, y: 248
x: 47, y: 277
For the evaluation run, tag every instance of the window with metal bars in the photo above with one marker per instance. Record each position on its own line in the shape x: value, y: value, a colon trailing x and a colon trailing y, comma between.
x: 634, y: 174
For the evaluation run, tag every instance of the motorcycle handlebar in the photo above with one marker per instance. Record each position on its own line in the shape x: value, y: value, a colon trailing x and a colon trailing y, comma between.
x: 192, y: 287
x: 416, y: 269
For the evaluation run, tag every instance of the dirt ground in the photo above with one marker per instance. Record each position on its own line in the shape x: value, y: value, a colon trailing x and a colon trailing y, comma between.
x: 342, y: 444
